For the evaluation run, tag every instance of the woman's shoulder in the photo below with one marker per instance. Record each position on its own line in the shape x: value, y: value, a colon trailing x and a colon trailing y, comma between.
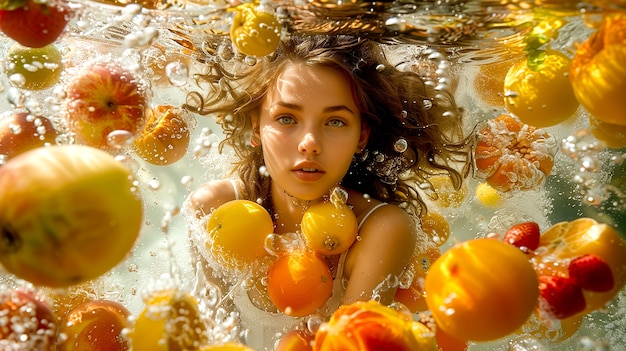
x: 213, y: 194
x: 369, y: 210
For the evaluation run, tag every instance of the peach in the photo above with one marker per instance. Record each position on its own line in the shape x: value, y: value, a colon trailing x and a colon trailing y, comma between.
x: 22, y: 131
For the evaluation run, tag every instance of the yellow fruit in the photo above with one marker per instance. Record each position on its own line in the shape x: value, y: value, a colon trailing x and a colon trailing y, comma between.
x: 329, y: 228
x: 34, y: 68
x: 255, y: 31
x: 598, y: 73
x: 481, y: 289
x: 488, y: 196
x: 444, y: 193
x: 229, y: 346
x: 237, y: 232
x: 170, y: 321
x: 613, y: 135
x: 68, y: 214
x: 538, y: 90
x: 436, y: 227
x: 489, y: 82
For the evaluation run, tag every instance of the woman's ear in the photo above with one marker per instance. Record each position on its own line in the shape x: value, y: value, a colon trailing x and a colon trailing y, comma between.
x: 363, y: 138
x: 254, y: 118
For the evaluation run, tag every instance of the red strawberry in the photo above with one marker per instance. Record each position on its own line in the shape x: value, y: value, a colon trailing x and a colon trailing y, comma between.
x: 560, y: 297
x: 592, y: 273
x: 33, y: 24
x: 523, y: 235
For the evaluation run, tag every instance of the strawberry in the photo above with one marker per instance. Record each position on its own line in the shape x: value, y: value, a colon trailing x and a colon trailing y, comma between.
x: 560, y: 297
x: 592, y: 273
x: 523, y: 235
x: 33, y: 24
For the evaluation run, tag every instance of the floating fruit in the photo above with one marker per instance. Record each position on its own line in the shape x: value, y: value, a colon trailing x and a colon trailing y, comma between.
x: 538, y: 90
x: 560, y: 297
x: 68, y: 214
x: 524, y: 236
x: 369, y: 326
x: 512, y: 156
x: 237, y: 232
x: 255, y: 30
x: 488, y: 196
x: 34, y: 68
x: 165, y: 138
x: 27, y: 322
x: 299, y: 283
x: 34, y: 24
x: 103, y: 98
x: 481, y: 289
x: 169, y: 321
x: 22, y: 131
x: 613, y: 135
x: 565, y: 242
x: 296, y: 340
x: 436, y: 227
x: 330, y: 228
x: 94, y: 325
x: 598, y: 74
x: 444, y: 193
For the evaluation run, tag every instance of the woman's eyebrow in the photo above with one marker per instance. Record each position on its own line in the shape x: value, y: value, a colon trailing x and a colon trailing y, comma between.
x: 326, y: 109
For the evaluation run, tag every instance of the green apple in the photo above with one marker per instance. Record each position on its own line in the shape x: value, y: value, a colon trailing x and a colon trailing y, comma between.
x: 34, y: 68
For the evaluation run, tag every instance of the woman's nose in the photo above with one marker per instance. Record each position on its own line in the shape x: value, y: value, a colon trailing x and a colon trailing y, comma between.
x: 309, y: 144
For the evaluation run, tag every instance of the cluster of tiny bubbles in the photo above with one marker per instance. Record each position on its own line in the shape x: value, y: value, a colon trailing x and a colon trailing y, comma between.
x: 586, y: 151
x: 120, y: 139
x: 526, y: 343
x: 16, y: 97
x: 128, y: 162
x: 205, y: 141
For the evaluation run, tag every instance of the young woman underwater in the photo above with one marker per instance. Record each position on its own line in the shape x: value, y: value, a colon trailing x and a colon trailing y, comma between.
x: 325, y: 112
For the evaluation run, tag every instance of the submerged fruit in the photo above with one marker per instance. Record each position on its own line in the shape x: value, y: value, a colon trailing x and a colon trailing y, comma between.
x: 165, y: 138
x: 34, y: 69
x: 68, y: 214
x: 27, y: 322
x: 21, y: 132
x: 481, y: 289
x: 237, y: 232
x: 255, y: 30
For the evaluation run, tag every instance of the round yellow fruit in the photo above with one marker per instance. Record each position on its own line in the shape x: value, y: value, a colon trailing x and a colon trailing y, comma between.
x: 538, y: 90
x: 329, y: 229
x: 68, y: 214
x: 598, y: 73
x: 481, y: 289
x: 169, y: 321
x: 237, y: 232
x: 255, y: 31
x: 34, y: 68
x: 488, y: 196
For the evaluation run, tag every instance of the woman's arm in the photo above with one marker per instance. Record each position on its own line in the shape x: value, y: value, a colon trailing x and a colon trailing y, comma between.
x: 388, y: 239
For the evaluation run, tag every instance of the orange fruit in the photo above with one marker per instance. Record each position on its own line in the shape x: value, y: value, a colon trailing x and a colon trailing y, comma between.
x: 329, y: 228
x: 538, y: 90
x: 165, y: 138
x: 436, y: 227
x: 510, y: 155
x: 444, y: 194
x: 299, y: 283
x: 370, y: 326
x: 94, y: 325
x: 489, y: 81
x: 447, y: 342
x: 585, y: 236
x: 481, y: 289
x: 237, y: 231
x: 169, y: 321
x: 598, y: 74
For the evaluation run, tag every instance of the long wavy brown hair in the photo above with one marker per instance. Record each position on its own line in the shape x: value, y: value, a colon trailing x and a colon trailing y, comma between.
x: 416, y: 130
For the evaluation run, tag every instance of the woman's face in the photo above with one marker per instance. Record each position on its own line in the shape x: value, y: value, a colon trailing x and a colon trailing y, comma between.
x: 310, y: 128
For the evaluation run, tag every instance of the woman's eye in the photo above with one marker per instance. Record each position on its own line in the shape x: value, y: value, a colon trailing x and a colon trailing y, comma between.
x: 285, y: 120
x: 336, y: 123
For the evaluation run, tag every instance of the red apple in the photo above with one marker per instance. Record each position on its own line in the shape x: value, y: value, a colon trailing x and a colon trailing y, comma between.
x: 94, y: 325
x: 27, y: 322
x: 22, y: 131
x: 102, y: 98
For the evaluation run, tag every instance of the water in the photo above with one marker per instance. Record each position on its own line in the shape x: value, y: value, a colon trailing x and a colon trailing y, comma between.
x: 168, y: 42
